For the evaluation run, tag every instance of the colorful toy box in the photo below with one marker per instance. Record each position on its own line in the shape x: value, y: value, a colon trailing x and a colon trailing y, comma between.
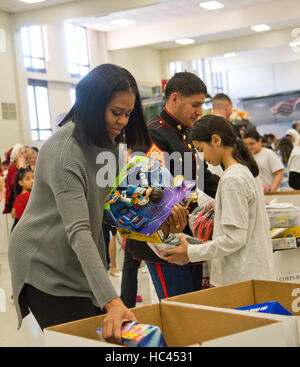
x: 135, y: 334
x: 130, y: 205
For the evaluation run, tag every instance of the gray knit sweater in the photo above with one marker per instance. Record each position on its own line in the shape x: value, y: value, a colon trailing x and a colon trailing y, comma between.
x: 58, y: 246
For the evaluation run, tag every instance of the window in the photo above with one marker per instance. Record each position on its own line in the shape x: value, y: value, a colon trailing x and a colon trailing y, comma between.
x: 39, y: 112
x: 175, y: 67
x: 73, y: 94
x: 33, y: 44
x: 198, y: 68
x: 77, y: 49
x: 220, y: 82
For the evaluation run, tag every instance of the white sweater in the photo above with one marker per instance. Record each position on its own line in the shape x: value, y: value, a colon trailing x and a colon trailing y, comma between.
x: 241, y: 248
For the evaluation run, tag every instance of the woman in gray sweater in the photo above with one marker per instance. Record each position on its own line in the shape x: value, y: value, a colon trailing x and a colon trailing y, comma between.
x: 57, y: 253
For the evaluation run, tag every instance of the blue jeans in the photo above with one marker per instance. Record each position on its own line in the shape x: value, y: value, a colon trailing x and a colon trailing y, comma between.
x: 173, y: 280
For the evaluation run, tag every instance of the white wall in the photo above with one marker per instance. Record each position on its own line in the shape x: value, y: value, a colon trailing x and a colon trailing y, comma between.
x: 57, y: 75
x: 260, y: 72
x: 10, y: 130
x: 143, y: 62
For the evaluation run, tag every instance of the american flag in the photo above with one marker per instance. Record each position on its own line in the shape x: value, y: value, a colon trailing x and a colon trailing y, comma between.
x: 285, y: 108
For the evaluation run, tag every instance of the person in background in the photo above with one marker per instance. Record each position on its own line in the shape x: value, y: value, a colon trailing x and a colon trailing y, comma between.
x: 264, y: 142
x: 296, y: 126
x: 2, y: 168
x: 270, y: 165
x: 290, y: 156
x: 17, y: 161
x: 241, y: 248
x: 56, y: 252
x: 222, y: 106
x: 109, y: 234
x: 294, y: 136
x: 22, y: 187
x: 31, y: 157
x: 36, y: 149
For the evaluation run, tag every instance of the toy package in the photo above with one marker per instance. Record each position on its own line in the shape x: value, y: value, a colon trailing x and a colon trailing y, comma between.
x: 143, y: 197
x: 201, y: 220
x: 272, y: 307
x: 135, y: 334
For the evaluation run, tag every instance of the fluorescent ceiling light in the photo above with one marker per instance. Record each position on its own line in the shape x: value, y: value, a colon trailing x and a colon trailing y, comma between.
x: 294, y: 44
x: 260, y: 28
x: 31, y: 1
x: 229, y: 54
x: 123, y: 22
x: 211, y: 5
x: 185, y: 41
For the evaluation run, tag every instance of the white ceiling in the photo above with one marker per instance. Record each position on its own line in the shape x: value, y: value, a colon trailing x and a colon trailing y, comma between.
x: 14, y: 6
x: 172, y: 19
x: 168, y: 9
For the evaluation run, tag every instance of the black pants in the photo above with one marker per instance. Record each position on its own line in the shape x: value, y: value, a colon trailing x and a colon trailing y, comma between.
x: 129, y: 281
x: 51, y: 310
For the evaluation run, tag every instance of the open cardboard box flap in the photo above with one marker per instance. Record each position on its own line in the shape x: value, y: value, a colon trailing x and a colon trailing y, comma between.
x: 244, y: 294
x: 181, y: 326
x: 248, y: 293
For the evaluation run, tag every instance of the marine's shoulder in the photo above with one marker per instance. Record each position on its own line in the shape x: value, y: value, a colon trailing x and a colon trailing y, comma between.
x: 155, y: 124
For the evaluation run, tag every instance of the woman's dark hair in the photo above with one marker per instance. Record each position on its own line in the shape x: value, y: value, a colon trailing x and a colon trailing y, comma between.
x: 19, y: 177
x: 285, y: 147
x: 209, y: 125
x: 93, y: 93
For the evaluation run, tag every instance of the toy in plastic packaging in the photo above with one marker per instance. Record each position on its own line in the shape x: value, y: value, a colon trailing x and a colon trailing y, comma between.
x: 143, y: 197
x: 135, y: 334
x: 201, y: 220
x: 172, y: 241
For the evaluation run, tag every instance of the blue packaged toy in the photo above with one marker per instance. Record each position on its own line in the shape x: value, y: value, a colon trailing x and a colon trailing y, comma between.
x: 143, y: 197
x: 135, y: 334
x: 269, y: 307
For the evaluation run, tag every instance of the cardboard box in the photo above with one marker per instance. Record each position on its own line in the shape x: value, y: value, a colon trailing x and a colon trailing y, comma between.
x: 252, y: 292
x: 287, y: 265
x: 181, y: 325
x: 285, y: 243
x: 287, y: 232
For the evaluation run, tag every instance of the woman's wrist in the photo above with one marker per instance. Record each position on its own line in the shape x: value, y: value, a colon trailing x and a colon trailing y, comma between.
x: 115, y: 302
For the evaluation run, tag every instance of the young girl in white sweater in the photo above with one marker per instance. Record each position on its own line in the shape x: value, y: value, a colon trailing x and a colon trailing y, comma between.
x: 241, y: 248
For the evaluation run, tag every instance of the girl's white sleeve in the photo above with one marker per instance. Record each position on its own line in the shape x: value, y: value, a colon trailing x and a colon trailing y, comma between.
x: 233, y: 239
x: 232, y: 218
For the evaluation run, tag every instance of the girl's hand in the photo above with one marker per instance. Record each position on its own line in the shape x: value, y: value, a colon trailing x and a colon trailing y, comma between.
x: 179, y: 254
x: 117, y: 313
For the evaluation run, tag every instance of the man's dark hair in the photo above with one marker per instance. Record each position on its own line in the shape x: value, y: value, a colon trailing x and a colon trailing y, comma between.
x: 93, y: 94
x: 252, y: 133
x: 186, y: 84
x: 221, y: 97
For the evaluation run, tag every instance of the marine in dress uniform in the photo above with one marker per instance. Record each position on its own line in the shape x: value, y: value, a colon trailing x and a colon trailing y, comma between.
x: 169, y: 135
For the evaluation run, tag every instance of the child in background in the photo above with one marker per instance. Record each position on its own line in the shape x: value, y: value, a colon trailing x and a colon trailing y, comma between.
x: 241, y: 248
x: 23, y: 186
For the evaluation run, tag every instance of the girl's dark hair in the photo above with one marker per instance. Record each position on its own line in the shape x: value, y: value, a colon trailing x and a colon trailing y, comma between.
x: 93, y: 93
x: 19, y: 177
x: 209, y: 125
x: 285, y: 147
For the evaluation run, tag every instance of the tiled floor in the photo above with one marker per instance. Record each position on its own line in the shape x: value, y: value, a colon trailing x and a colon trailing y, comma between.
x: 30, y: 334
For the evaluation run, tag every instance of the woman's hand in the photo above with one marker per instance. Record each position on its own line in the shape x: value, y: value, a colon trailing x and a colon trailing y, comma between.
x: 178, y: 219
x: 117, y: 313
x: 178, y: 254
